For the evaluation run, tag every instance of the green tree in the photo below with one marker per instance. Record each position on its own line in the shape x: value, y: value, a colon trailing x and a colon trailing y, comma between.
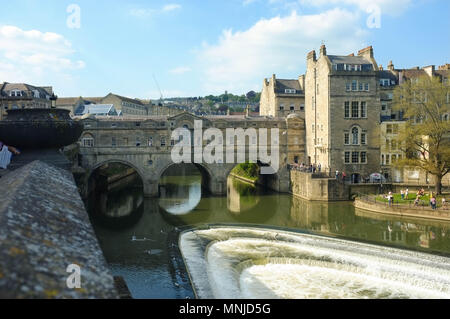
x: 425, y: 138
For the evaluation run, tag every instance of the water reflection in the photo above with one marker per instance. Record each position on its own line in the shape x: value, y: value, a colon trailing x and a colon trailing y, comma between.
x: 180, y: 195
x: 151, y: 271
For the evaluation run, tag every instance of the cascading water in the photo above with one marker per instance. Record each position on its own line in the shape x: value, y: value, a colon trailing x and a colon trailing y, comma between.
x: 256, y: 263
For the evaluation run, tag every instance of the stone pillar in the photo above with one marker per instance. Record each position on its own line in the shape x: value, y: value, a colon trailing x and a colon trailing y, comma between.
x: 151, y: 189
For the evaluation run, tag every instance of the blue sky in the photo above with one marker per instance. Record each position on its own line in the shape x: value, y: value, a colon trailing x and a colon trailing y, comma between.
x: 201, y: 47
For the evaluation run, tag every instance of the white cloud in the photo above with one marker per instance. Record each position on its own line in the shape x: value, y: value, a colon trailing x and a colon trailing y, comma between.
x: 180, y: 70
x: 388, y: 7
x: 171, y: 7
x: 240, y: 60
x: 35, y: 56
x: 145, y: 13
x: 141, y: 13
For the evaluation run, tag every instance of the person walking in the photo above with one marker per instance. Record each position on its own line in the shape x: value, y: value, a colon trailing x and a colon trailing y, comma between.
x: 337, y: 174
x: 390, y: 198
x: 402, y: 194
x: 433, y: 203
x: 406, y: 193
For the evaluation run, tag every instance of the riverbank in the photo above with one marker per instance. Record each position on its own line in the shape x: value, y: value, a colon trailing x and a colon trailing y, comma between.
x: 244, y: 179
x: 400, y: 210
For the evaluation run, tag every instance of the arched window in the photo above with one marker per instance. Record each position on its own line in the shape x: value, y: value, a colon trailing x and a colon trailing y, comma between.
x: 87, y: 141
x: 355, y: 136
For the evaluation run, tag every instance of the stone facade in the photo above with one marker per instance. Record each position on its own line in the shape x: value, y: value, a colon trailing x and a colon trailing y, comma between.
x: 24, y: 96
x: 279, y: 97
x: 343, y: 113
x: 146, y: 145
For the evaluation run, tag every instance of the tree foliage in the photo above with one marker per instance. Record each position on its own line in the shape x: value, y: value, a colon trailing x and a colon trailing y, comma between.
x: 425, y: 138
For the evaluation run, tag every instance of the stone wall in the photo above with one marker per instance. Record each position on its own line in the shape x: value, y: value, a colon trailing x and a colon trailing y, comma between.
x: 307, y: 186
x: 44, y: 228
x: 402, y: 211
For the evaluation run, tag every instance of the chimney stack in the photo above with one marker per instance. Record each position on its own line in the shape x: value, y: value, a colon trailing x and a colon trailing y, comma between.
x: 366, y: 52
x: 390, y: 66
x: 312, y: 55
x: 323, y: 50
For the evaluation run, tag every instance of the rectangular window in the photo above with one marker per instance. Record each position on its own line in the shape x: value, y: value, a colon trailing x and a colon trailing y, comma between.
x: 355, y: 157
x: 150, y: 141
x: 383, y: 106
x: 347, y: 87
x: 282, y: 107
x: 389, y: 129
x: 138, y: 142
x: 88, y: 142
x: 302, y: 107
x: 363, y: 110
x: 347, y: 110
x: 354, y: 85
x: 388, y: 157
x: 361, y: 86
x: 355, y: 111
x: 366, y: 87
x: 163, y: 141
x: 292, y: 107
x: 347, y: 158
x: 363, y: 139
x: 346, y: 138
x: 113, y: 142
x: 363, y: 157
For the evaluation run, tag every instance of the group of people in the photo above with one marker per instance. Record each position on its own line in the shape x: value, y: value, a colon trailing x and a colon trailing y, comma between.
x: 312, y: 168
x: 420, y: 193
x: 340, y: 175
x: 6, y: 153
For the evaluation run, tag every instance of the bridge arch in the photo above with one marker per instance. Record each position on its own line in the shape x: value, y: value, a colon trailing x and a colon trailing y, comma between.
x: 268, y: 181
x: 205, y: 172
x: 96, y: 166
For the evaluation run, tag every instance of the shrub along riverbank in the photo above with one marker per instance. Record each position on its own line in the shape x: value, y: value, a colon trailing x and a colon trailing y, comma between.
x: 247, y: 170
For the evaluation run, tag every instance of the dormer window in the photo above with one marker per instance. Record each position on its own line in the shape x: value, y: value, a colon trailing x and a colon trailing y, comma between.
x: 36, y: 94
x: 290, y: 91
x: 15, y: 93
x: 385, y: 82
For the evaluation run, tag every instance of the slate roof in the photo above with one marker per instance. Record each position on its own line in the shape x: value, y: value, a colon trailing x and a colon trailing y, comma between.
x: 27, y: 88
x: 282, y: 85
x: 127, y: 99
x: 348, y: 59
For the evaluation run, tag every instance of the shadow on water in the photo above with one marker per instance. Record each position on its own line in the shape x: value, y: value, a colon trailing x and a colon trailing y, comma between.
x: 139, y: 237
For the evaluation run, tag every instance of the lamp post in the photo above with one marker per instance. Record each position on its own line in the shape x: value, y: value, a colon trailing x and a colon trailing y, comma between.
x: 381, y: 182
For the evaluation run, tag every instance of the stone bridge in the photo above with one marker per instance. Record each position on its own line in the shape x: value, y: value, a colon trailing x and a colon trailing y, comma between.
x: 145, y: 144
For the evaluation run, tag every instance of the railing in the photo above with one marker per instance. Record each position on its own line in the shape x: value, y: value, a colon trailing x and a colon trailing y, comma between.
x: 421, y: 205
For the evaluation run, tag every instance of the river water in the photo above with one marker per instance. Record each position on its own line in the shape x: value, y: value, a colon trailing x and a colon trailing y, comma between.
x: 139, y: 238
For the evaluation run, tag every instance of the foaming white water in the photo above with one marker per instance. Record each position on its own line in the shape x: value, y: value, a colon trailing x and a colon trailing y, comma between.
x: 251, y: 263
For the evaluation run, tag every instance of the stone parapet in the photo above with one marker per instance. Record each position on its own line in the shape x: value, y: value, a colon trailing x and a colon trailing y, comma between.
x: 44, y: 228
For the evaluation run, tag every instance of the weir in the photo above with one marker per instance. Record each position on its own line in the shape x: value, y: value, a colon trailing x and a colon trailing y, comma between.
x: 258, y: 263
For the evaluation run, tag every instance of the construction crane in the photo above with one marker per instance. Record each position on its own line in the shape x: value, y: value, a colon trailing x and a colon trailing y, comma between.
x: 160, y: 92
